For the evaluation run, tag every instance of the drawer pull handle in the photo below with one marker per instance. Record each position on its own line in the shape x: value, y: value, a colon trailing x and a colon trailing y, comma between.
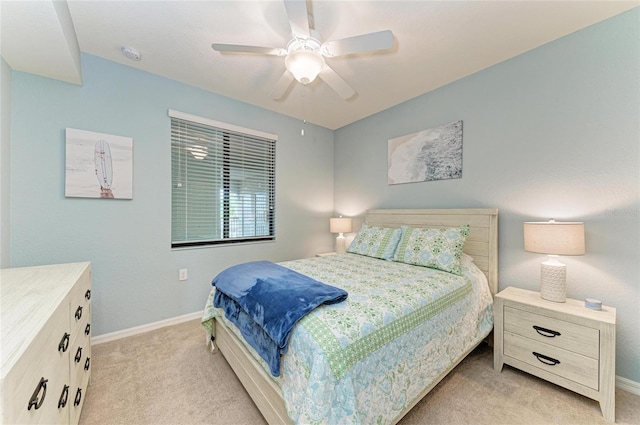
x: 87, y: 363
x: 87, y: 295
x: 63, y: 397
x: 546, y: 359
x: 64, y: 343
x: 78, y: 312
x: 78, y: 398
x: 78, y: 356
x: 87, y: 329
x: 546, y: 332
x: 34, y: 401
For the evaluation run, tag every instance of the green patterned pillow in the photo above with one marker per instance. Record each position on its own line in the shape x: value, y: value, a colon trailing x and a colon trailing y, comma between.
x: 437, y: 248
x: 377, y: 242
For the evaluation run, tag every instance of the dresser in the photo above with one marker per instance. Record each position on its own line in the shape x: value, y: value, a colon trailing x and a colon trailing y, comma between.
x: 564, y: 343
x: 46, y: 343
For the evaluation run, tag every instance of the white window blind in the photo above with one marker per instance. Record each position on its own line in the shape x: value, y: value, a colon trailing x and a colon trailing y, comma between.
x: 223, y: 183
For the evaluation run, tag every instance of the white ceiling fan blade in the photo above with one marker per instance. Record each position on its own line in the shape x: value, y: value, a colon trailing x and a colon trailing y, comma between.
x: 334, y: 81
x: 298, y: 17
x: 238, y: 48
x: 380, y: 40
x: 282, y: 85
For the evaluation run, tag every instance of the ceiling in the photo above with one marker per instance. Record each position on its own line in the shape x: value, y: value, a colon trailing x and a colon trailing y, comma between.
x: 436, y: 42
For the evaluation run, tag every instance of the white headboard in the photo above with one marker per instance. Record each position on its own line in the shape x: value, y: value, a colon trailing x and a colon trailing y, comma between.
x: 482, y: 243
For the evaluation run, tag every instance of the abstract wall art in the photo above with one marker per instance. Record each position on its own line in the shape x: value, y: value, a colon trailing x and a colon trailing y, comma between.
x: 433, y: 154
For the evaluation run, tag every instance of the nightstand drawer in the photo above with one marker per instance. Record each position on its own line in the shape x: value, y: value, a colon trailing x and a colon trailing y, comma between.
x: 564, y: 363
x: 547, y: 330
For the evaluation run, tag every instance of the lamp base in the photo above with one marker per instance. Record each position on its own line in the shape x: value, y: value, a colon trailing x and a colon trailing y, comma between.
x: 553, y: 281
x: 340, y: 248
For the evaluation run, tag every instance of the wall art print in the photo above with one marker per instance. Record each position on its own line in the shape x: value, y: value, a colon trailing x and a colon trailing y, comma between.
x: 98, y: 165
x: 433, y: 154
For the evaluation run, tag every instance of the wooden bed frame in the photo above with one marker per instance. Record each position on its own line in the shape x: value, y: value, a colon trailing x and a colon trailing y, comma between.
x: 482, y: 245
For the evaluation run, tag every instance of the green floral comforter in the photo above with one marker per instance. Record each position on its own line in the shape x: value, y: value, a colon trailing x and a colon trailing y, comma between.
x: 364, y: 360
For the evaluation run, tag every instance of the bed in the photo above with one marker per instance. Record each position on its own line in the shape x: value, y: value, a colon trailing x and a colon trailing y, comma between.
x: 329, y: 375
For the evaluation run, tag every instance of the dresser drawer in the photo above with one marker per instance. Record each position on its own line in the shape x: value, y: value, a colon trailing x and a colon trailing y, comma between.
x: 80, y: 354
x: 558, y: 333
x: 40, y: 374
x: 77, y: 396
x: 80, y: 302
x: 81, y: 362
x: 570, y: 365
x: 55, y: 405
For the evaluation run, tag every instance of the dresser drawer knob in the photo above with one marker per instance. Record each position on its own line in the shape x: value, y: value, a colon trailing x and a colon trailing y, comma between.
x: 546, y: 332
x: 63, y: 397
x: 546, y: 359
x: 78, y: 398
x: 78, y: 312
x: 87, y: 329
x: 87, y: 363
x: 64, y: 343
x: 34, y: 401
x: 87, y: 295
x: 78, y: 356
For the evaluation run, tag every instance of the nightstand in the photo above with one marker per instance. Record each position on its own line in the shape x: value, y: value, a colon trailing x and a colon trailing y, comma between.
x: 564, y: 343
x: 326, y: 254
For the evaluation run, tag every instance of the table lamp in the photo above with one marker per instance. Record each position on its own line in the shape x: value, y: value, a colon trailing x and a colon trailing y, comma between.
x: 554, y: 238
x: 340, y: 225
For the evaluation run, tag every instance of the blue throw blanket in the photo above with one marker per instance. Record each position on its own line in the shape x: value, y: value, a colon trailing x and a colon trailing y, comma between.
x: 265, y: 300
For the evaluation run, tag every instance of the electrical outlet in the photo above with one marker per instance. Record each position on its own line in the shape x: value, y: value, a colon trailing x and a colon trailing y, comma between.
x: 183, y: 274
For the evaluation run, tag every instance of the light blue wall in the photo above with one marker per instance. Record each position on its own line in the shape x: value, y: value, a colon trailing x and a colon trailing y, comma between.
x: 551, y: 133
x: 135, y: 272
x: 5, y: 162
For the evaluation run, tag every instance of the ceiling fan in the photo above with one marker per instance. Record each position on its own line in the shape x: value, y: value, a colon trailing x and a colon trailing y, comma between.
x: 305, y: 53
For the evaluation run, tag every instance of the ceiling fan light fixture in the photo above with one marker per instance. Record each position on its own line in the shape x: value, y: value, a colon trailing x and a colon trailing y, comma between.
x: 305, y: 65
x: 306, y: 52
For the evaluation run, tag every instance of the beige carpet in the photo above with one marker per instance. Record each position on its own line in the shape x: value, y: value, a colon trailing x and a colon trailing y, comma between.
x: 168, y: 376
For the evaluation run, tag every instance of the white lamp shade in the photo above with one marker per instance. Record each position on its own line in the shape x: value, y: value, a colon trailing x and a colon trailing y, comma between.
x: 554, y: 238
x: 340, y: 225
x: 305, y: 65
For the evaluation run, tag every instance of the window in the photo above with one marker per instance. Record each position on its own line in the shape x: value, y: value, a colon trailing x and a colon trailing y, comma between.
x: 223, y: 183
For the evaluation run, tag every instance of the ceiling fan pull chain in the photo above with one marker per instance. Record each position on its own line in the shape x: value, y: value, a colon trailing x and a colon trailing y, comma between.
x: 304, y: 121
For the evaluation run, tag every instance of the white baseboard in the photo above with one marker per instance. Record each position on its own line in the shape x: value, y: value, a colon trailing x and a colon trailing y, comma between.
x: 101, y: 339
x: 628, y: 385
